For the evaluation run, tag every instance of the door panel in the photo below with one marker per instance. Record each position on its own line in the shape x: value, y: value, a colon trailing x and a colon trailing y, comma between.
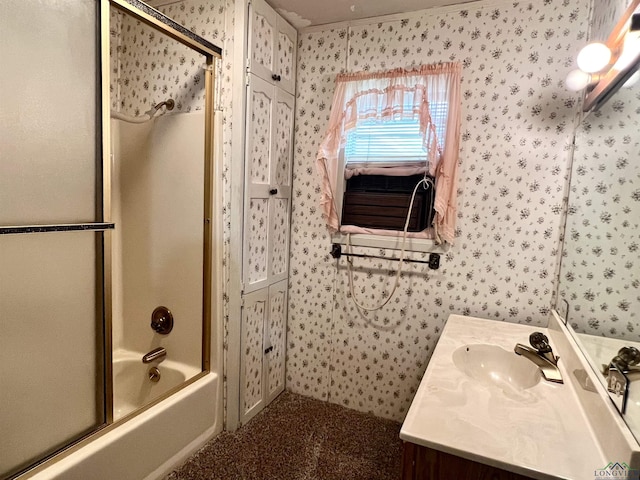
x: 48, y: 118
x: 52, y: 385
x: 262, y: 38
x: 254, y: 317
x: 283, y: 139
x: 279, y: 251
x: 259, y: 155
x: 285, y: 55
x: 276, y: 339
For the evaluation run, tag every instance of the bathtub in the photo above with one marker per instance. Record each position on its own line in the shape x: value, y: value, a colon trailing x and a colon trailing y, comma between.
x: 149, y: 445
x: 132, y: 388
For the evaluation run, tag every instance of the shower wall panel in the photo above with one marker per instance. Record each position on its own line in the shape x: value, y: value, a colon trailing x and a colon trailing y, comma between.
x: 160, y: 199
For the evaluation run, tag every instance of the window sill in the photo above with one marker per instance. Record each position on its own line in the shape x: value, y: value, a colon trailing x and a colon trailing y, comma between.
x: 418, y: 245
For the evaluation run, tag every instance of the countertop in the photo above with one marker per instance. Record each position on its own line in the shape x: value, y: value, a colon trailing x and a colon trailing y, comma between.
x: 542, y: 432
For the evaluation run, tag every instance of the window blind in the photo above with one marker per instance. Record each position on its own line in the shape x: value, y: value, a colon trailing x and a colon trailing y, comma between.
x: 392, y: 143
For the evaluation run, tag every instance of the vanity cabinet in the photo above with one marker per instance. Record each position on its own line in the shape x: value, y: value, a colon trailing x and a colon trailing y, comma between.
x: 423, y: 463
x: 272, y: 46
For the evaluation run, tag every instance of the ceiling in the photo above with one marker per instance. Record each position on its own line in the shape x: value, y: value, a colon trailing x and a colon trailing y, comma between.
x: 303, y: 13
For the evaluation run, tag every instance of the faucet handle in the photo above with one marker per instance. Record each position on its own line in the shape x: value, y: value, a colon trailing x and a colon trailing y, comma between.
x: 627, y: 357
x: 540, y: 342
x: 631, y: 355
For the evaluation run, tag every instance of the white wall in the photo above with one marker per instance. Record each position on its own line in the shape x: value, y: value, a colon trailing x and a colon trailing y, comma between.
x: 159, y: 195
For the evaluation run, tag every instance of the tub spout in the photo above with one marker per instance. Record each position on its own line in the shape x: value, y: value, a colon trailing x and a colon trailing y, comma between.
x: 156, y: 354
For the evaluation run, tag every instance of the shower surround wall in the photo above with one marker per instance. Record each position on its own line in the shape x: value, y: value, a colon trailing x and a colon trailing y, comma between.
x: 158, y: 200
x: 517, y: 127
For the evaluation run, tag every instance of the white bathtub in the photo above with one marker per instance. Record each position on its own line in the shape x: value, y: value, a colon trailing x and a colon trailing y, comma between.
x: 152, y: 443
x: 132, y: 388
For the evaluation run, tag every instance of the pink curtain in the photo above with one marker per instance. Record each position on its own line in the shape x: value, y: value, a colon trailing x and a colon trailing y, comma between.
x: 392, y: 95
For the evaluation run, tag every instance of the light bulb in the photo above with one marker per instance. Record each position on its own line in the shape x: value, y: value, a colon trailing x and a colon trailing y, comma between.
x: 594, y: 57
x: 577, y: 80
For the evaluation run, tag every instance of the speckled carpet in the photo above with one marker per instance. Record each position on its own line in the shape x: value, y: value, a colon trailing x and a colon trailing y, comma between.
x: 298, y: 438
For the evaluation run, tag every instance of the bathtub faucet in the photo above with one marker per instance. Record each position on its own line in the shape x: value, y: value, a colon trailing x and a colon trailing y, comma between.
x: 155, y: 354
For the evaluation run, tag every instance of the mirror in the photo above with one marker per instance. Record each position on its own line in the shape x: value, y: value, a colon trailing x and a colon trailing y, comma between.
x: 624, y: 45
x: 599, y: 278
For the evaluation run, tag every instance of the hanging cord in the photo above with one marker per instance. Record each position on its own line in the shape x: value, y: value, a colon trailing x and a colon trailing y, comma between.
x: 427, y: 182
x: 168, y: 104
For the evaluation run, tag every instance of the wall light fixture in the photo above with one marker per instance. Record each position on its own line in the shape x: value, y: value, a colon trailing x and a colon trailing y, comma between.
x: 605, y: 67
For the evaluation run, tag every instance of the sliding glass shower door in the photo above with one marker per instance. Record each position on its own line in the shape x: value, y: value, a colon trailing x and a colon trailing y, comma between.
x: 52, y: 333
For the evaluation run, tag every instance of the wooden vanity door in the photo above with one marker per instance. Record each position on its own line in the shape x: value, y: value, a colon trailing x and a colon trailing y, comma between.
x: 422, y: 463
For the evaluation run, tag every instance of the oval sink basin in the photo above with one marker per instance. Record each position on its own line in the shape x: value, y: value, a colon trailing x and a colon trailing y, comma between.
x: 493, y: 365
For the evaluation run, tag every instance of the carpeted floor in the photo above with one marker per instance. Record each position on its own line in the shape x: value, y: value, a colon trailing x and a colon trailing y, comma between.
x: 298, y: 438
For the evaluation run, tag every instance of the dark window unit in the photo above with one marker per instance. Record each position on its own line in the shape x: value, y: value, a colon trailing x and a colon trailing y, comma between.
x: 382, y: 202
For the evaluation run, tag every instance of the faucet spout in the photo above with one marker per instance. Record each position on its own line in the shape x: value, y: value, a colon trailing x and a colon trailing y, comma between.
x: 546, y: 361
x: 156, y: 354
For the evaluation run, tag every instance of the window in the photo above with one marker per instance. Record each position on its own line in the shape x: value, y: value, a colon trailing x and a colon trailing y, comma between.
x: 394, y: 142
x: 388, y: 131
x: 381, y: 201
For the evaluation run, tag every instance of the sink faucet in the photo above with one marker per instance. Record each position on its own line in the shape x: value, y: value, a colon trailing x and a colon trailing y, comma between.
x: 624, y: 362
x: 155, y: 354
x: 542, y: 355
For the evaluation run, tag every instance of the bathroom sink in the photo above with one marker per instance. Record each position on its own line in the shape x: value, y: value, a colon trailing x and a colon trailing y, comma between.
x: 493, y: 365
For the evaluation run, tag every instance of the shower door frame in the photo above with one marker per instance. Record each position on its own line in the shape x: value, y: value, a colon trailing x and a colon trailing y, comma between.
x: 167, y: 26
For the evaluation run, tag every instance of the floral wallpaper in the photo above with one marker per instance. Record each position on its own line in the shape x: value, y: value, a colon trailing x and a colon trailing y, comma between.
x: 284, y: 115
x: 600, y: 276
x: 285, y: 56
x: 257, y: 241
x: 277, y: 329
x: 517, y: 127
x: 259, y: 129
x: 280, y: 231
x: 262, y: 50
x: 254, y: 318
x: 115, y: 46
x: 153, y: 67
